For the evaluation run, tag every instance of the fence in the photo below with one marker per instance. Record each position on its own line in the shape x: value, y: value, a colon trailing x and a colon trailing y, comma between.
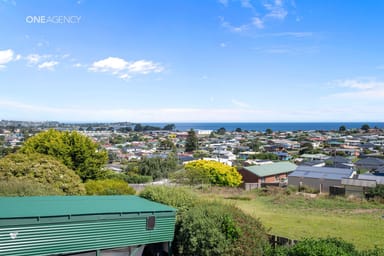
x: 281, y: 241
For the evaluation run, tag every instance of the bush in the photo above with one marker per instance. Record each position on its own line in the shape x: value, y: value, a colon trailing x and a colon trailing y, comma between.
x: 108, y: 187
x: 205, y: 230
x: 317, y: 247
x: 177, y: 197
x: 18, y: 187
x: 212, y: 172
x: 209, y: 228
x: 132, y: 178
x: 40, y: 169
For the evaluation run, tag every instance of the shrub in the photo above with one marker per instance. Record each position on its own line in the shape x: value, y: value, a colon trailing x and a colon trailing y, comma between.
x: 19, y: 187
x: 108, y: 187
x: 317, y: 247
x: 177, y: 197
x: 209, y: 228
x: 213, y: 172
x: 40, y: 169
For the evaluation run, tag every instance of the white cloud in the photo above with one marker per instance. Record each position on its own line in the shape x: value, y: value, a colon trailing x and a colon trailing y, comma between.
x: 125, y: 69
x: 49, y: 65
x: 35, y: 58
x: 232, y: 28
x: 258, y: 22
x: 78, y: 65
x: 322, y: 112
x: 361, y: 88
x: 110, y: 64
x: 276, y: 10
x: 362, y: 84
x: 239, y: 103
x: 5, y: 57
x: 144, y: 67
x: 223, y: 45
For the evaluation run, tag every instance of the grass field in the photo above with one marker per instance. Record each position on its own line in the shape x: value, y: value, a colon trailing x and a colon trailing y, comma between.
x: 297, y: 216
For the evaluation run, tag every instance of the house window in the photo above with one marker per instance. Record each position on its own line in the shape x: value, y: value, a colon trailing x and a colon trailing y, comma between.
x: 277, y: 178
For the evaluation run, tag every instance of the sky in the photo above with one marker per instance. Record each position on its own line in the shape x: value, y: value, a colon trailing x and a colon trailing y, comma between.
x: 192, y: 60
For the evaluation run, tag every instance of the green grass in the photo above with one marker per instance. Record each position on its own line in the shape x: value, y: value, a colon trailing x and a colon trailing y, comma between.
x: 297, y: 216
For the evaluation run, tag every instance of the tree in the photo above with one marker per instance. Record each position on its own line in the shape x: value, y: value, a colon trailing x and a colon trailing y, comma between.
x: 157, y: 167
x: 42, y: 170
x: 169, y: 127
x: 166, y: 144
x: 268, y: 131
x: 365, y: 127
x: 213, y: 172
x: 138, y: 128
x: 191, y: 142
x: 221, y: 131
x: 76, y: 151
x: 342, y: 128
x: 238, y: 130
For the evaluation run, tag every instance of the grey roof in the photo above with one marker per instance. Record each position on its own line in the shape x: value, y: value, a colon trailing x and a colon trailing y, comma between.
x: 378, y: 179
x: 339, y: 159
x: 321, y: 173
x: 359, y: 182
x: 370, y: 161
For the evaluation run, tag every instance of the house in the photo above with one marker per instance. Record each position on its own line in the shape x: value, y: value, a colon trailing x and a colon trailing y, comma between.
x: 257, y: 175
x: 369, y: 163
x: 357, y: 187
x: 318, y: 178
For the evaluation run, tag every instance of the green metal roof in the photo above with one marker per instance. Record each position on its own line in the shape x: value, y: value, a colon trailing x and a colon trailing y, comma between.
x: 45, y: 206
x: 56, y: 225
x: 265, y: 170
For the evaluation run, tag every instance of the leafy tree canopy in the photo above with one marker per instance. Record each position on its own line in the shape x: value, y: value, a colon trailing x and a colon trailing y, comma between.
x: 213, y: 172
x: 192, y: 141
x: 46, y: 171
x: 75, y: 150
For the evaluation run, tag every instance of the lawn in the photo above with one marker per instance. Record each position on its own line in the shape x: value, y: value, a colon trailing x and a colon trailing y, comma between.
x: 298, y: 216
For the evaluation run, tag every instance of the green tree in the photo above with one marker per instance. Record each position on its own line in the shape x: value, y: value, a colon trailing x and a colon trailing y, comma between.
x: 365, y: 127
x: 268, y: 131
x: 192, y: 142
x: 213, y: 172
x: 138, y: 128
x: 40, y: 169
x: 169, y: 127
x: 76, y: 151
x: 221, y: 131
x: 342, y: 128
x: 238, y: 130
x: 157, y: 167
x: 108, y: 187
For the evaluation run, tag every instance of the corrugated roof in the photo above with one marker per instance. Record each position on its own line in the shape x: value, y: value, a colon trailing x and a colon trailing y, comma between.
x: 321, y: 172
x: 359, y: 182
x: 378, y: 179
x: 45, y: 206
x: 271, y: 169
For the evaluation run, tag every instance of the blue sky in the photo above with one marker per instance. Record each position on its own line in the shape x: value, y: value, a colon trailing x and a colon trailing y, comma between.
x: 192, y: 60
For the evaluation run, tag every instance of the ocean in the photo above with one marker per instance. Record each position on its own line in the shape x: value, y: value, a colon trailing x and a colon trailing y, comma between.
x: 261, y: 127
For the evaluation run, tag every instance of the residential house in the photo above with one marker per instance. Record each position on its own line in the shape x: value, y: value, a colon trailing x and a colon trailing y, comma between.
x: 257, y: 175
x: 318, y: 178
x: 369, y: 163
